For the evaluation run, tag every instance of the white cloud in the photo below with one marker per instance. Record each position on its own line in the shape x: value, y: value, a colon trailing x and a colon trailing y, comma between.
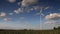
x: 28, y: 2
x: 7, y: 19
x: 16, y: 11
x: 2, y: 14
x: 19, y: 10
x: 50, y: 24
x: 25, y: 4
x: 52, y: 20
x: 29, y: 10
x: 22, y: 17
x: 18, y: 26
x: 11, y: 1
x: 53, y: 16
x: 10, y: 13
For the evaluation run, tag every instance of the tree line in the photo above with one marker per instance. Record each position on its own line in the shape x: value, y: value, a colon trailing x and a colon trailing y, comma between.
x: 57, y: 28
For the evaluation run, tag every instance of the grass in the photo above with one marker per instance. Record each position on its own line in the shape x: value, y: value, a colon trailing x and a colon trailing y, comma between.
x: 30, y: 32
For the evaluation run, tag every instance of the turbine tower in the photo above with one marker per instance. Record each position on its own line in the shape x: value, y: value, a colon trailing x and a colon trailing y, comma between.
x: 41, y: 14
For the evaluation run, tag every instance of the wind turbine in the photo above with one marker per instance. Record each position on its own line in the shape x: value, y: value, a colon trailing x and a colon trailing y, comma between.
x: 41, y: 14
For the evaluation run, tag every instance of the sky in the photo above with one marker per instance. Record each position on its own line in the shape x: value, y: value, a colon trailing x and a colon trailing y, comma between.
x: 26, y: 14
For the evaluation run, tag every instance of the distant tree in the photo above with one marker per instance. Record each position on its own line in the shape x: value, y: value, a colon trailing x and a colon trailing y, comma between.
x: 58, y: 27
x: 25, y: 29
x: 55, y: 28
x: 1, y: 29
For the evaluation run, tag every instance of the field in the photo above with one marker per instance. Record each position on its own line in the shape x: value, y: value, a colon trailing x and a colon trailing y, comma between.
x: 30, y: 32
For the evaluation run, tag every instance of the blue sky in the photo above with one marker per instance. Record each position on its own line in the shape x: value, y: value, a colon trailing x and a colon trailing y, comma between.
x: 25, y: 14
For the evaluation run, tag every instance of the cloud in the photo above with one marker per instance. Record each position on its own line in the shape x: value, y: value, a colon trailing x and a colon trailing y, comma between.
x: 53, y: 16
x: 11, y: 1
x: 28, y: 2
x: 2, y: 14
x: 52, y: 20
x: 29, y: 5
x: 19, y: 10
x: 18, y: 26
x: 28, y: 10
x: 22, y: 17
x: 50, y: 24
x: 7, y: 19
x: 10, y: 13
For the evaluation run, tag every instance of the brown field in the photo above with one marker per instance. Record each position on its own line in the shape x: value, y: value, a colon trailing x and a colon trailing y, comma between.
x: 30, y: 32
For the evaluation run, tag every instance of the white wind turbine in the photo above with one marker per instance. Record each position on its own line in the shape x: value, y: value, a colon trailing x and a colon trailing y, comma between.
x: 41, y: 14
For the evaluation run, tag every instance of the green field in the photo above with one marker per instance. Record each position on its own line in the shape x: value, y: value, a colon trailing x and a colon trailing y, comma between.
x: 30, y: 32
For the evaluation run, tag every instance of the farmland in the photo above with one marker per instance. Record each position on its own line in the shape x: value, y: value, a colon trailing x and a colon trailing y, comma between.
x: 30, y: 32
